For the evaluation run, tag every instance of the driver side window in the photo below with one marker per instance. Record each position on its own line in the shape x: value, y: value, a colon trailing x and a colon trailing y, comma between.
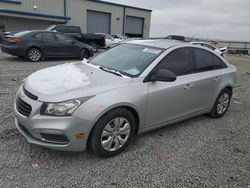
x: 178, y: 61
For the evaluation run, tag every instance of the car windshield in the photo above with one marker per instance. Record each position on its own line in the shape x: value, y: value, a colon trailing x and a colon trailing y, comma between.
x: 128, y: 59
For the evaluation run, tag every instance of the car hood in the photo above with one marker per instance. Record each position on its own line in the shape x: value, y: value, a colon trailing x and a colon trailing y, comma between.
x: 71, y: 81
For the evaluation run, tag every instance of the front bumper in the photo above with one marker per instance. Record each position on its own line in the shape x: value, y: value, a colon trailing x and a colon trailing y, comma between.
x: 51, y: 132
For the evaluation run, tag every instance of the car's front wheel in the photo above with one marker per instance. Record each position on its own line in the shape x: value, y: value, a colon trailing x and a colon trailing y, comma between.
x: 34, y: 55
x: 221, y: 104
x: 113, y: 133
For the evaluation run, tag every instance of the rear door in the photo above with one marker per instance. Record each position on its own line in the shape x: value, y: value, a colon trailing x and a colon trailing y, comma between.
x: 48, y: 43
x: 206, y: 79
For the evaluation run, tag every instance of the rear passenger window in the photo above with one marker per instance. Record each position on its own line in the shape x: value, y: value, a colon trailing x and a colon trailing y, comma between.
x: 203, y: 60
x: 218, y: 64
x: 45, y: 36
x: 177, y: 61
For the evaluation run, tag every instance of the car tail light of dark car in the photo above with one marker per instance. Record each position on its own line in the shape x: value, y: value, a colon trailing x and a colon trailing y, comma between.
x: 14, y: 40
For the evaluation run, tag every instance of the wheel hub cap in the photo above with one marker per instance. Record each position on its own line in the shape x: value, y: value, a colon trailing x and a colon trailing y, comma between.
x: 35, y: 55
x: 115, y: 134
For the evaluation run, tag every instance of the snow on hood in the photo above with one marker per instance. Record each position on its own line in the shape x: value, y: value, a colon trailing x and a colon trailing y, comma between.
x: 58, y: 79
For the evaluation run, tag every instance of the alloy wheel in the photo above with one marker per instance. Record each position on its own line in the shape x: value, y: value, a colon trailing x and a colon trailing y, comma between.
x: 223, y: 103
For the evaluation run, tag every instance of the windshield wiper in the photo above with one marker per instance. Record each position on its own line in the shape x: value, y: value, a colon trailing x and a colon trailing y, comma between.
x: 111, y: 71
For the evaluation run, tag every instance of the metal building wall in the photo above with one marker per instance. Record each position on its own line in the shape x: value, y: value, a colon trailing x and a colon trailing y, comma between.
x: 15, y: 23
x: 53, y: 7
x: 75, y: 10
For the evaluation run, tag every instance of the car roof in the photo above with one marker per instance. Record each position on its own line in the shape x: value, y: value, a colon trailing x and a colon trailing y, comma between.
x: 200, y: 43
x: 44, y: 31
x: 102, y: 33
x: 159, y: 43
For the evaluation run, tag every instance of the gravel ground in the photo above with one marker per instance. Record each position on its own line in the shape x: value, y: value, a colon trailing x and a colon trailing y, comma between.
x: 200, y: 152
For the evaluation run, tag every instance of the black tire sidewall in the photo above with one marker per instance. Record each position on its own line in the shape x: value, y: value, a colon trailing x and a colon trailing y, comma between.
x: 96, y: 145
x: 28, y: 52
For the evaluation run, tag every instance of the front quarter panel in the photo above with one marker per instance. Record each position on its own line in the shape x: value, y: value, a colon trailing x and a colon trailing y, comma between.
x: 134, y: 96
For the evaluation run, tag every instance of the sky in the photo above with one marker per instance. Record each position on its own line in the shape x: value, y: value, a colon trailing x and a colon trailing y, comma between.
x: 212, y: 19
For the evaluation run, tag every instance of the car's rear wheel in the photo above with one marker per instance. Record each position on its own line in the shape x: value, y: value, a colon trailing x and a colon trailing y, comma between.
x: 221, y: 104
x: 84, y: 53
x: 113, y: 133
x: 34, y: 55
x: 94, y: 46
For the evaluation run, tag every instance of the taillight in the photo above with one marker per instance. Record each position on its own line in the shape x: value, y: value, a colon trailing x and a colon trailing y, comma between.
x: 14, y: 39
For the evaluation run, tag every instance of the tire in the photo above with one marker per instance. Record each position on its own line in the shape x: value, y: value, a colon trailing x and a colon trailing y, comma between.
x: 94, y: 46
x: 113, y: 133
x: 84, y: 53
x: 34, y: 55
x: 221, y: 104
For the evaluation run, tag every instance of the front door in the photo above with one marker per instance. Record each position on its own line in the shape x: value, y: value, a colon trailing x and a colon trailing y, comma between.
x: 170, y: 100
x: 66, y: 46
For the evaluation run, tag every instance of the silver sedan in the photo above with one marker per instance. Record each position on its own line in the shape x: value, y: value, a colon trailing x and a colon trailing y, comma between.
x: 135, y: 87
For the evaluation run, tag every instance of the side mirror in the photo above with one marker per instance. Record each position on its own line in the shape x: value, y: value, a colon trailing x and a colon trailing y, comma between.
x: 163, y: 75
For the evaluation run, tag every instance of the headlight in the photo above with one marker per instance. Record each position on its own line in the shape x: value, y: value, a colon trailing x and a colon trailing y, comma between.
x: 66, y: 108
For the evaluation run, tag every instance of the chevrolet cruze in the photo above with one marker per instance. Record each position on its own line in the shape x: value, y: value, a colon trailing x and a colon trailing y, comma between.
x: 140, y: 85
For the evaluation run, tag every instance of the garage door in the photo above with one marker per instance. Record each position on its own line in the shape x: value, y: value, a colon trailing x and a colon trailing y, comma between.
x: 134, y: 26
x: 98, y: 22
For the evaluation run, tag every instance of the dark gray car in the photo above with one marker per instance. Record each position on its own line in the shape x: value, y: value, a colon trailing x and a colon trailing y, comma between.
x: 37, y: 45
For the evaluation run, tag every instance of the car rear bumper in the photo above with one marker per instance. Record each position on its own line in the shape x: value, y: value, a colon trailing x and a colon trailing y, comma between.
x: 13, y: 50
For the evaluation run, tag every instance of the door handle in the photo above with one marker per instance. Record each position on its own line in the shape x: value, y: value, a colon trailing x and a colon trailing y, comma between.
x: 188, y: 86
x: 217, y: 78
